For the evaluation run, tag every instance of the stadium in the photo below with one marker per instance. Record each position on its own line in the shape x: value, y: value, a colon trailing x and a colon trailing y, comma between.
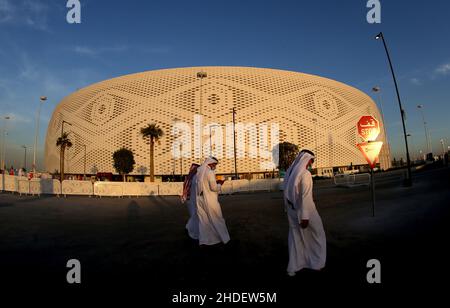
x: 312, y: 112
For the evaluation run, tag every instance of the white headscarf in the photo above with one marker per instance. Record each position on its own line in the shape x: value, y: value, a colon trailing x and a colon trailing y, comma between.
x: 296, y: 170
x: 291, y: 167
x: 202, y: 170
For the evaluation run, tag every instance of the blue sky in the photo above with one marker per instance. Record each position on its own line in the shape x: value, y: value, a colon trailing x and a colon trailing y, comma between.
x: 41, y: 54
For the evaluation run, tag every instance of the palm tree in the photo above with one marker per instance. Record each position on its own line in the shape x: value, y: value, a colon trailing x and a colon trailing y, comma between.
x: 154, y: 133
x: 63, y: 142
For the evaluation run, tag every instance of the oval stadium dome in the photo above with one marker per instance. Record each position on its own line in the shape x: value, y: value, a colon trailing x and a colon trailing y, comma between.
x: 312, y: 112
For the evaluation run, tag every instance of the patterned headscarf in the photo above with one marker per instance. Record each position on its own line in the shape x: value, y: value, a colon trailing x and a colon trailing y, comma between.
x: 188, y: 182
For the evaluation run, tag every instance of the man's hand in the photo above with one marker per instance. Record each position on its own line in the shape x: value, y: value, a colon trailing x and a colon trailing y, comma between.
x: 304, y: 223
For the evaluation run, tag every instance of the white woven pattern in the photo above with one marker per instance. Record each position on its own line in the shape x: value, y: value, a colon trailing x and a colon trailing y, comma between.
x: 108, y: 115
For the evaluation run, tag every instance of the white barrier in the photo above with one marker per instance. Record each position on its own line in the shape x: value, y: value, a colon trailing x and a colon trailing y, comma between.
x: 111, y: 189
x: 170, y: 189
x: 10, y: 183
x: 23, y: 186
x: 70, y: 187
x: 239, y: 186
x: 140, y: 189
x: 39, y: 186
x: 351, y: 180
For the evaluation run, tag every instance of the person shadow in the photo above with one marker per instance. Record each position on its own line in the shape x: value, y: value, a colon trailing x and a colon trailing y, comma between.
x: 133, y: 212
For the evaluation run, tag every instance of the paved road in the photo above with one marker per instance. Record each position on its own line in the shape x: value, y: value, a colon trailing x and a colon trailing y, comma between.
x: 140, y: 243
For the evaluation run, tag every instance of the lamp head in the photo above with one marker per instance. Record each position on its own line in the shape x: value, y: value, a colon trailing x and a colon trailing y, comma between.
x: 379, y: 35
x: 43, y: 98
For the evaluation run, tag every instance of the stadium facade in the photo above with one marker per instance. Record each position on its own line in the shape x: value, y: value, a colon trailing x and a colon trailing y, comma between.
x: 312, y: 112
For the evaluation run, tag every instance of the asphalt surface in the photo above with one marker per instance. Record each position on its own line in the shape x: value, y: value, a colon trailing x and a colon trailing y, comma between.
x: 138, y: 246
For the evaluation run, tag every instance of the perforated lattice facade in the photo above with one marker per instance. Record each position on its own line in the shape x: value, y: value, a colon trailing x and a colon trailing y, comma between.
x: 314, y: 112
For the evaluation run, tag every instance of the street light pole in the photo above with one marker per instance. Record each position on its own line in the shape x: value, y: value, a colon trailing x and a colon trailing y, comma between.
x: 427, y: 134
x: 210, y: 139
x: 84, y: 163
x: 4, y: 134
x: 4, y: 150
x: 234, y: 143
x: 377, y: 89
x: 42, y: 99
x: 443, y: 148
x: 201, y: 75
x: 408, y: 180
x: 62, y: 126
x: 181, y: 160
x: 316, y: 149
x: 25, y: 157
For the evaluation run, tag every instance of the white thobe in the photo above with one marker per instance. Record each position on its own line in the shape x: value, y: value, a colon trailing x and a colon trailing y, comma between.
x: 307, y: 247
x: 192, y: 224
x: 212, y: 227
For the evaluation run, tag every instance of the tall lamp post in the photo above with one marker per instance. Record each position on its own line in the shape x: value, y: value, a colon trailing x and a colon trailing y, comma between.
x: 4, y: 134
x: 377, y: 89
x: 210, y: 138
x: 181, y: 161
x: 408, y: 180
x: 315, y: 139
x: 427, y: 133
x: 234, y: 144
x: 201, y: 75
x: 42, y: 99
x: 443, y: 147
x: 25, y: 157
x: 62, y: 126
x: 84, y: 163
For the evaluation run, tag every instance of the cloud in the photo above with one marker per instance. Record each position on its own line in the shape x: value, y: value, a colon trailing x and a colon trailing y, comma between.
x: 27, y: 70
x: 30, y: 13
x: 96, y: 51
x: 6, y: 11
x: 416, y: 81
x: 443, y: 69
x: 84, y: 50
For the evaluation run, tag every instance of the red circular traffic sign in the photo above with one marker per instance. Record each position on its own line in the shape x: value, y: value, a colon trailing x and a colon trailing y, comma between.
x: 368, y: 128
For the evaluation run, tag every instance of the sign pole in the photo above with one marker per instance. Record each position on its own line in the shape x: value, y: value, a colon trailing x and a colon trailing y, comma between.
x: 368, y: 129
x: 372, y: 184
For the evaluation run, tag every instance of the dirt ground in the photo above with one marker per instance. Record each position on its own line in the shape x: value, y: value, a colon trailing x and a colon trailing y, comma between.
x: 139, y: 247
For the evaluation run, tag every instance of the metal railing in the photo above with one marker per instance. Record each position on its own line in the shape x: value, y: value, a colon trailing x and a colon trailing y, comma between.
x: 351, y: 180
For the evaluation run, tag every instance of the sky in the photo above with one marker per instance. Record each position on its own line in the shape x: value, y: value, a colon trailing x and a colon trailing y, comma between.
x: 42, y: 54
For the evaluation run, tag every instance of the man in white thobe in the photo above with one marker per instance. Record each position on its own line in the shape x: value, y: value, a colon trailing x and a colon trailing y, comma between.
x: 306, y: 240
x: 212, y: 228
